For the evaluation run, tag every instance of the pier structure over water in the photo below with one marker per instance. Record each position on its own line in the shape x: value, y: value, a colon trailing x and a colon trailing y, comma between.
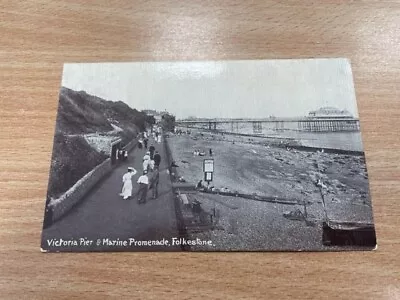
x: 323, y: 120
x: 257, y: 125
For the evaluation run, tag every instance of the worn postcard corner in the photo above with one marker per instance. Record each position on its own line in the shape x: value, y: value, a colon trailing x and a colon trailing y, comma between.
x: 252, y: 155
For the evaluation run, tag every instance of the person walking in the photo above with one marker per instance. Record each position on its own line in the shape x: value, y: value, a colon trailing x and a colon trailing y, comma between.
x: 127, y: 183
x: 145, y: 141
x: 155, y: 178
x: 143, y: 182
x: 147, y: 156
x: 151, y: 165
x: 125, y: 155
x: 120, y: 154
x: 146, y: 161
x: 157, y: 159
x: 152, y: 149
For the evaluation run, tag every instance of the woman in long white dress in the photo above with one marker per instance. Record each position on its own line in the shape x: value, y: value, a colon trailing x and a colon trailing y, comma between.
x: 127, y: 181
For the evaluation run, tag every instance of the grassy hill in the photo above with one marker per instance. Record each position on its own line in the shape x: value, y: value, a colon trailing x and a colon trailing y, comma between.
x: 81, y: 113
x: 78, y: 114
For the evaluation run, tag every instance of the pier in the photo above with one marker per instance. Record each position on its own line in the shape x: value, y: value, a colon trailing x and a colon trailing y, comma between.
x: 325, y: 119
x: 321, y: 124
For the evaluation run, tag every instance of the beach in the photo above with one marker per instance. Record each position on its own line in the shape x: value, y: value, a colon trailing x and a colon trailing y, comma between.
x: 333, y: 186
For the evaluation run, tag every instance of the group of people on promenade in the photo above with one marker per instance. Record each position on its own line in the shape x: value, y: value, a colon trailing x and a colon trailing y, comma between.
x: 150, y: 174
x: 122, y: 155
x: 143, y: 141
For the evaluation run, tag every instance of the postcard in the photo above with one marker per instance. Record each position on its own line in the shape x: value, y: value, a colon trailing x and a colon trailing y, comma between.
x: 249, y: 155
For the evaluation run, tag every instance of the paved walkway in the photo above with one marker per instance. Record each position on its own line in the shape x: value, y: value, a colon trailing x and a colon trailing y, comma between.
x: 104, y: 214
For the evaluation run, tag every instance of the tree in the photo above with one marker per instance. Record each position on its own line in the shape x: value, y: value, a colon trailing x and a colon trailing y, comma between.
x: 168, y: 122
x: 150, y: 120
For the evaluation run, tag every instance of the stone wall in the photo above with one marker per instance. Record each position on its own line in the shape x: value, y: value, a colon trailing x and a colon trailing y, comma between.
x: 63, y: 204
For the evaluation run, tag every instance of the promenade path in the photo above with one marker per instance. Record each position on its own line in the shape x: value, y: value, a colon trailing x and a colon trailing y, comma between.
x: 103, y: 214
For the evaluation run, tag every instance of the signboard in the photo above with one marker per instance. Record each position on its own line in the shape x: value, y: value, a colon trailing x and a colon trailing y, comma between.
x: 208, y: 176
x: 208, y: 168
x: 208, y: 165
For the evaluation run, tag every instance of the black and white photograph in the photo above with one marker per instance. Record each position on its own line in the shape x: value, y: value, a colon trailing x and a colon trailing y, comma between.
x: 246, y: 155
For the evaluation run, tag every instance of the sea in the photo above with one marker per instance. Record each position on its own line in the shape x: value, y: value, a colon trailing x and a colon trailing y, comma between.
x: 343, y: 140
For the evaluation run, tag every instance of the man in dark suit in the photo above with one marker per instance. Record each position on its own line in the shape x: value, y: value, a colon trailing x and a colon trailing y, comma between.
x: 157, y: 159
x: 152, y: 149
x: 154, y: 182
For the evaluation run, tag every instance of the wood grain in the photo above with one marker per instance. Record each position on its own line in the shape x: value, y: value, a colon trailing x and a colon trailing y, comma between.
x: 38, y: 36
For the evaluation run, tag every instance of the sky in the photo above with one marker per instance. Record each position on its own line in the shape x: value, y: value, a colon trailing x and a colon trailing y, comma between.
x: 220, y: 89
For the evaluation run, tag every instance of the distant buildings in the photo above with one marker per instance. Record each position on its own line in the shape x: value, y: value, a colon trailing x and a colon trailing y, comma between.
x: 329, y: 119
x: 150, y: 112
x: 329, y: 112
x: 156, y: 114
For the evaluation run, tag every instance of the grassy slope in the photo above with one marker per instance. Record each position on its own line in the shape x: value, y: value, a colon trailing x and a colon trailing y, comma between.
x: 81, y: 113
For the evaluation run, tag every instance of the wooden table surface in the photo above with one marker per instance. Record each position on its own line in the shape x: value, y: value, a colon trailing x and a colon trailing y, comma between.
x: 36, y: 37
